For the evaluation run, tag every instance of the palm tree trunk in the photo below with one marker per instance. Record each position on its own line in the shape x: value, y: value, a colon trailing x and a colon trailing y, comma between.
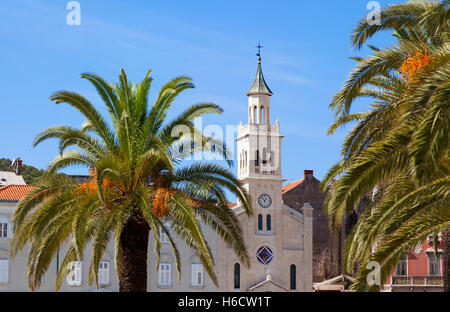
x: 446, y: 266
x: 134, y: 242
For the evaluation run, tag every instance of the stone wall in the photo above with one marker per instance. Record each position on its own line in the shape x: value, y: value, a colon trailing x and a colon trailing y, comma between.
x: 327, y: 247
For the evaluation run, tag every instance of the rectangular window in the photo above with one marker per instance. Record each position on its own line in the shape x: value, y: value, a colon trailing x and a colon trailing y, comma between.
x: 4, y: 270
x: 74, y: 274
x: 103, y: 273
x: 402, y: 267
x: 4, y: 230
x: 165, y: 273
x: 163, y: 237
x: 434, y: 265
x: 197, y: 275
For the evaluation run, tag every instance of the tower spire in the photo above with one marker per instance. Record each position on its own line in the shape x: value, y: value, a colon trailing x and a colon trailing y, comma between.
x: 259, y: 85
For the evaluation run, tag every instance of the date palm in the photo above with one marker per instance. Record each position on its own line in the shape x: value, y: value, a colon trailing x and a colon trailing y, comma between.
x: 140, y: 182
x: 401, y: 145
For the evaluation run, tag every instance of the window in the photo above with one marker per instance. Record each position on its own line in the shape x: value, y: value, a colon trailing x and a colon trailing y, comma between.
x: 4, y: 225
x: 163, y: 236
x: 74, y: 275
x: 103, y: 273
x: 402, y: 267
x: 260, y: 222
x: 254, y: 115
x: 293, y: 274
x: 269, y: 223
x: 264, y: 255
x: 245, y: 159
x: 237, y: 276
x: 264, y: 156
x: 197, y: 274
x: 263, y: 120
x: 434, y: 264
x: 42, y: 280
x: 257, y: 158
x: 431, y: 237
x: 3, y: 230
x: 165, y: 278
x: 4, y: 270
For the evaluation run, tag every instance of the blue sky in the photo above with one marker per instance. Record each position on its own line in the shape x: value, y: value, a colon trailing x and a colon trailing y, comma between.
x: 305, y: 61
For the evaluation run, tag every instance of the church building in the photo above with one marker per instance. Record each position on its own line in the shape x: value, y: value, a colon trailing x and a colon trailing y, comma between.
x: 278, y: 237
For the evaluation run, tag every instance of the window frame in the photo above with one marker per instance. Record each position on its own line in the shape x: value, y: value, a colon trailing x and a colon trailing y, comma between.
x: 292, y: 277
x: 268, y: 223
x: 403, y: 260
x: 4, y: 222
x: 436, y: 262
x: 6, y: 263
x: 196, y: 269
x: 237, y: 276
x: 106, y: 272
x: 161, y: 274
x: 78, y: 272
x: 260, y: 223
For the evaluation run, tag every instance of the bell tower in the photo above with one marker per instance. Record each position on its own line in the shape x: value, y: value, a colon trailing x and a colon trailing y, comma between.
x: 259, y: 142
x: 277, y: 237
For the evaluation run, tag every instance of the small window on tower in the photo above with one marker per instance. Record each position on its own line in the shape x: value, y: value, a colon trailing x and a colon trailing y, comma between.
x: 262, y: 115
x: 260, y: 222
x: 269, y: 223
x: 264, y: 156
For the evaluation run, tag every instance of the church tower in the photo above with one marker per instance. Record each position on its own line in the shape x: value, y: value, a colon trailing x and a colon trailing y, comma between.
x: 278, y: 238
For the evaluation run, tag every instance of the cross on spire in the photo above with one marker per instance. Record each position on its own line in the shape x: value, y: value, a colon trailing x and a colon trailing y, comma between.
x: 259, y: 46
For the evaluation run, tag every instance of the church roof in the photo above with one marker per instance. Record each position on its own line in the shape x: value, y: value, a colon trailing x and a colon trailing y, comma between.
x: 268, y: 281
x: 259, y: 85
x: 291, y: 185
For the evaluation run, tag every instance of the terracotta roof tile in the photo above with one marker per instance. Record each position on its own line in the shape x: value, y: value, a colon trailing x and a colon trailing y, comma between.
x: 14, y: 192
x: 291, y: 185
x: 232, y: 205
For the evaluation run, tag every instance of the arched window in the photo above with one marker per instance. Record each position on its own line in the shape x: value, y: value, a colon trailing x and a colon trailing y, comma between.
x: 237, y: 276
x: 257, y: 158
x: 260, y: 222
x: 254, y: 115
x: 262, y: 121
x: 269, y: 223
x: 293, y: 277
x: 264, y: 156
x: 245, y: 159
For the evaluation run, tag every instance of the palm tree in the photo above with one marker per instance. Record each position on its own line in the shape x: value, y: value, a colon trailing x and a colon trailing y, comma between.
x: 140, y: 181
x: 400, y: 146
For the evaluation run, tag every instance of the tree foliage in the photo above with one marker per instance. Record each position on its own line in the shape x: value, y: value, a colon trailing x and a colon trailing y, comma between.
x: 137, y: 175
x: 400, y: 146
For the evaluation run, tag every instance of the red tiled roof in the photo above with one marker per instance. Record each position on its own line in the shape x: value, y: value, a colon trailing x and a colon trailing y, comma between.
x: 14, y: 192
x: 291, y: 185
x: 232, y: 205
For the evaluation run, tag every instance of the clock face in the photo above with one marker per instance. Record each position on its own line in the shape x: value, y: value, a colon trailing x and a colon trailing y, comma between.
x: 264, y: 200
